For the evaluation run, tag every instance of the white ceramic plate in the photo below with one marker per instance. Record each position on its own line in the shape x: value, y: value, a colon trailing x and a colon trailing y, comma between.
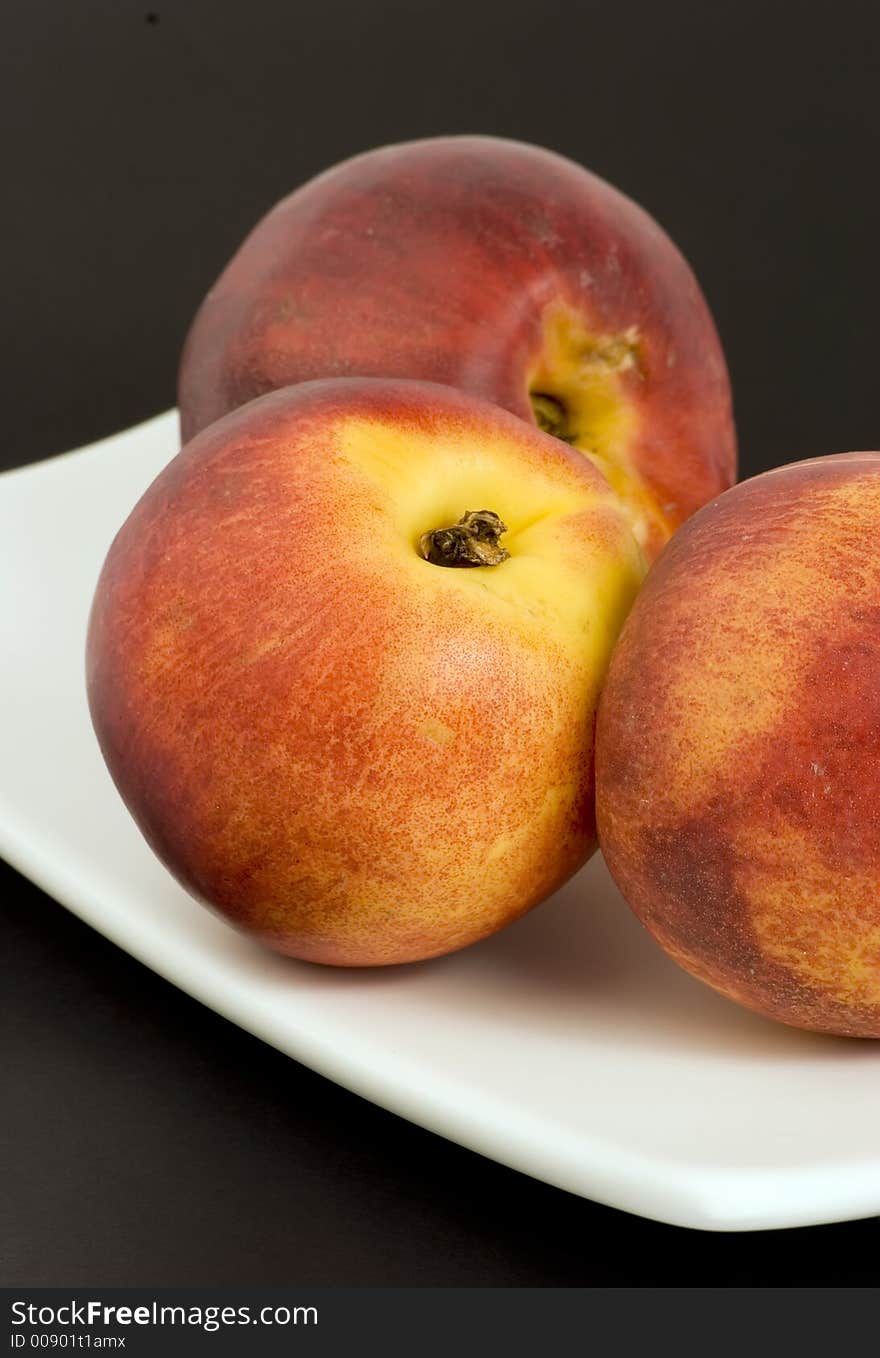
x: 568, y: 1047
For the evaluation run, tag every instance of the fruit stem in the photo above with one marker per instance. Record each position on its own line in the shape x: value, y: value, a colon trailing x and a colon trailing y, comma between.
x: 473, y: 541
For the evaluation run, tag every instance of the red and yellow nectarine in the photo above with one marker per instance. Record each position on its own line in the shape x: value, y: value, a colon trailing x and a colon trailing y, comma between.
x: 353, y: 753
x: 499, y: 268
x: 738, y: 746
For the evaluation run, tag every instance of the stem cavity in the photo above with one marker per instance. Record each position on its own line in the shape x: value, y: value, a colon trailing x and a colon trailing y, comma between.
x: 473, y: 541
x: 551, y: 416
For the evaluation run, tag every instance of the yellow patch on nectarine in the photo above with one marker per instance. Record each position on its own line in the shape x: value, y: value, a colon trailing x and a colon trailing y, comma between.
x: 424, y: 481
x: 795, y: 911
x: 436, y: 731
x: 586, y: 374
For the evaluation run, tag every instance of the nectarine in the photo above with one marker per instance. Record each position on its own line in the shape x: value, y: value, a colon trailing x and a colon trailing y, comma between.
x: 738, y: 746
x: 343, y: 662
x: 502, y: 269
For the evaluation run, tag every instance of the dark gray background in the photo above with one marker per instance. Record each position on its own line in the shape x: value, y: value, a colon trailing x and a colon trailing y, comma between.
x: 149, y: 1141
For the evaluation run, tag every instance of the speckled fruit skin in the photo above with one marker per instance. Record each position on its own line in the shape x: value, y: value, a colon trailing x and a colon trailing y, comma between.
x: 351, y: 753
x: 455, y: 260
x: 738, y: 746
